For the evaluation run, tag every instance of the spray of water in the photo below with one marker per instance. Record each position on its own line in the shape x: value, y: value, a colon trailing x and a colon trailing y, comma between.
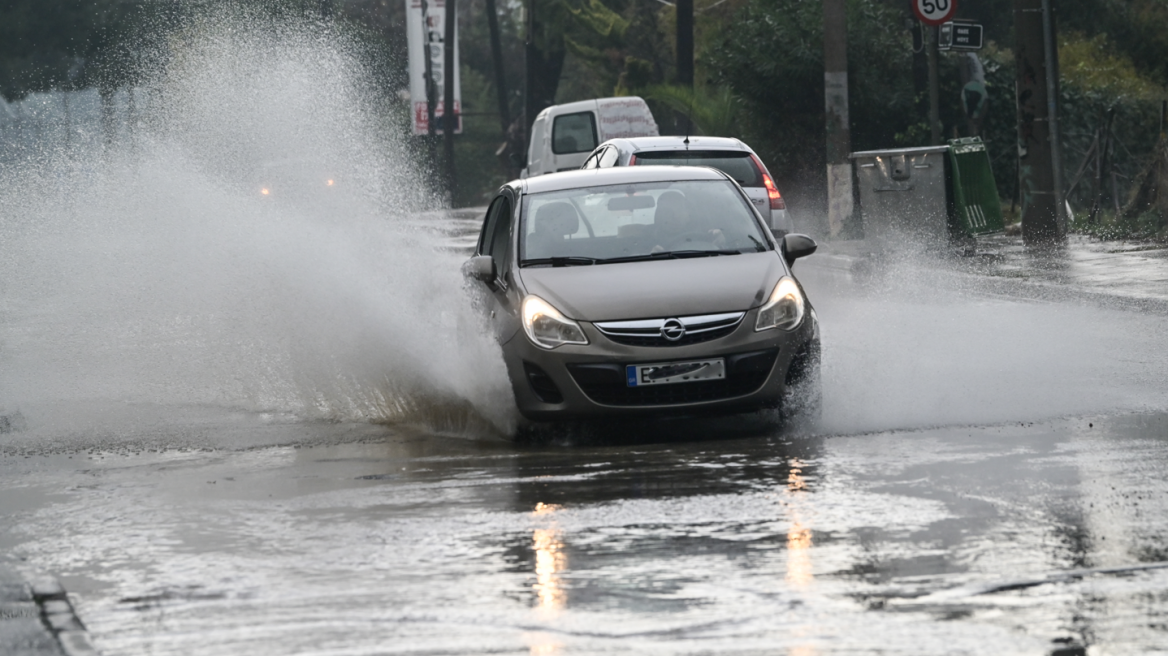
x: 152, y: 270
x: 156, y: 269
x: 909, y: 343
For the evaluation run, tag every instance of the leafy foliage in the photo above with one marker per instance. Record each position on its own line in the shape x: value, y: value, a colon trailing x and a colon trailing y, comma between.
x: 70, y: 44
x: 1095, y: 63
x: 783, y: 91
x: 713, y: 111
x: 758, y: 69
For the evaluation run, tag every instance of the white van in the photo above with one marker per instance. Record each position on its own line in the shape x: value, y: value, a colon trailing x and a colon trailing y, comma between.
x: 563, y: 135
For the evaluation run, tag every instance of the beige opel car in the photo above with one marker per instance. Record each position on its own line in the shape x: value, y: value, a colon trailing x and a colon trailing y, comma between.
x: 642, y: 291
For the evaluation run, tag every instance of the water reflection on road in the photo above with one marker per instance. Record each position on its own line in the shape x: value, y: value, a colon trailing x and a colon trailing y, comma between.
x: 550, y: 561
x: 902, y: 542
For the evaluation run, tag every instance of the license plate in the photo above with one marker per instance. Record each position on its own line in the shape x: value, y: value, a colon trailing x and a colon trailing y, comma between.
x: 664, y: 373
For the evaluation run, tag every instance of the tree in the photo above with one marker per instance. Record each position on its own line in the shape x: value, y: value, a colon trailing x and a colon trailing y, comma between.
x: 72, y: 44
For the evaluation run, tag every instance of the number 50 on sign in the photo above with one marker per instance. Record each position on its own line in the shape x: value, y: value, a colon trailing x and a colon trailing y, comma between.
x: 934, y: 12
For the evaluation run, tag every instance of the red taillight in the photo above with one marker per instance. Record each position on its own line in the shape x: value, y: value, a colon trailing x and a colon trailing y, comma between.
x: 632, y: 160
x: 773, y: 194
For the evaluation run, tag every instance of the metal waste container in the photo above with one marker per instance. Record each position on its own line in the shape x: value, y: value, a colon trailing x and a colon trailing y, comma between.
x: 930, y: 195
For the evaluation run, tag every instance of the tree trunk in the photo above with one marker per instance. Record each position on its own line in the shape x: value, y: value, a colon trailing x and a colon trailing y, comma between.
x: 545, y: 63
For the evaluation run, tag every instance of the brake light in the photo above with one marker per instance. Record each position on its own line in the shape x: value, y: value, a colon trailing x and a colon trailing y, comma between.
x: 777, y: 202
x: 632, y: 160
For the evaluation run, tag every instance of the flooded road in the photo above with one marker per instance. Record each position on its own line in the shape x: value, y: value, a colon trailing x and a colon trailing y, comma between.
x: 987, y: 479
x: 980, y: 540
x: 240, y: 424
x: 965, y: 493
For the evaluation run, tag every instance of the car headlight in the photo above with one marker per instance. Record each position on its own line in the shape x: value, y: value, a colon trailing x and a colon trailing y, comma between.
x: 784, y: 309
x: 546, y: 327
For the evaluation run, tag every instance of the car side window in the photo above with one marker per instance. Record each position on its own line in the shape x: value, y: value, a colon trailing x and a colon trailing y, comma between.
x: 608, y: 158
x: 489, y: 224
x: 500, y: 247
x: 590, y: 163
x: 574, y: 133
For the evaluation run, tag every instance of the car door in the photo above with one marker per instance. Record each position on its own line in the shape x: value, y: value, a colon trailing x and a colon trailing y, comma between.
x: 498, y: 296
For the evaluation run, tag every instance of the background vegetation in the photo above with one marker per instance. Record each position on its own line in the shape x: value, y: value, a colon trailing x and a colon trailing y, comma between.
x: 758, y: 72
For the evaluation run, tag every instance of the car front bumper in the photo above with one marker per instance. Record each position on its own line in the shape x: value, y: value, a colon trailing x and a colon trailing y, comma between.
x: 582, y: 382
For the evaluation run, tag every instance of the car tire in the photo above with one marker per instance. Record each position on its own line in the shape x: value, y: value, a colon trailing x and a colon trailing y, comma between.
x: 802, y: 402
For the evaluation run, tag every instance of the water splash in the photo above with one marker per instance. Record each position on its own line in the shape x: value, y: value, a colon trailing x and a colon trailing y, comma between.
x: 154, y: 269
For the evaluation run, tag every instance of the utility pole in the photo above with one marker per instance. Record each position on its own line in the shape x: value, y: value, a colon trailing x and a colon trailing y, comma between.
x: 839, y: 139
x: 449, y: 115
x: 1042, y: 222
x: 531, y: 104
x: 685, y: 43
x: 685, y: 52
x: 500, y: 83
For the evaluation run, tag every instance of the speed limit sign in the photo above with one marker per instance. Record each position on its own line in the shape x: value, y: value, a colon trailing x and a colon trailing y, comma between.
x: 934, y: 12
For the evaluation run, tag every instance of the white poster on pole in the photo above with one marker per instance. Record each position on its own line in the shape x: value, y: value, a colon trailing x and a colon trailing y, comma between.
x: 425, y: 32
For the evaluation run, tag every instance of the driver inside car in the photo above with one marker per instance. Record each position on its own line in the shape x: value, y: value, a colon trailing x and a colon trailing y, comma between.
x: 554, y: 223
x: 674, y: 228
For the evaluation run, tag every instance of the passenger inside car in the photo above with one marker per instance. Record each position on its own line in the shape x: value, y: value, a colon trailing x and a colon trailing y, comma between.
x: 554, y: 222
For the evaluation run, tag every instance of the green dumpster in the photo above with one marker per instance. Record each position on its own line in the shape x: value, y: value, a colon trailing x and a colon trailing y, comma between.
x: 977, y: 210
x: 930, y: 194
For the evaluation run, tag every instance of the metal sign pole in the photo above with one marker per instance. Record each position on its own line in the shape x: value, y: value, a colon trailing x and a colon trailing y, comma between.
x: 431, y: 93
x: 449, y: 111
x: 934, y: 88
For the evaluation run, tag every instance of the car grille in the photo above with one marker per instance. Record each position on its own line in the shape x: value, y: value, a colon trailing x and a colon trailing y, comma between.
x: 647, y: 332
x: 605, y: 383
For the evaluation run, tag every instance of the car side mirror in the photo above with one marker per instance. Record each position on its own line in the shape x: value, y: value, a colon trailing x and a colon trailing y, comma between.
x: 795, y: 246
x: 480, y: 267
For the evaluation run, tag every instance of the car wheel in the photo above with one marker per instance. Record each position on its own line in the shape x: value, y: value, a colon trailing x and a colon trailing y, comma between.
x: 802, y: 402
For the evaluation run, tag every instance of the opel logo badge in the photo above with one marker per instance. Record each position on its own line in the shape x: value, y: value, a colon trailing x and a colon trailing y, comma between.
x: 672, y: 330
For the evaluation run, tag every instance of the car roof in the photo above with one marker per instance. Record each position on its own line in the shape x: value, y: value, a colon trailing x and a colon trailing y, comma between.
x: 641, y: 144
x: 578, y: 179
x: 568, y: 108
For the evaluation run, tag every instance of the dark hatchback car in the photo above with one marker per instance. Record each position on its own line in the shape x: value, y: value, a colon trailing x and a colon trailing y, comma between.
x: 641, y: 291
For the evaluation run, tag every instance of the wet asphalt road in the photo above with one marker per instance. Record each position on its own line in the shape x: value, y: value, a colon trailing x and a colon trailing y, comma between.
x: 944, y: 507
x: 958, y: 540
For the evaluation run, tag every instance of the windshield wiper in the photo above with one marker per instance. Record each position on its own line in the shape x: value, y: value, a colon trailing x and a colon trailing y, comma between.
x: 757, y: 244
x: 704, y: 253
x: 567, y: 260
x: 669, y: 255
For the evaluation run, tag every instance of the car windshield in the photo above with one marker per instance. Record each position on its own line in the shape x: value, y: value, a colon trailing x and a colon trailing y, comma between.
x: 637, y: 221
x: 734, y: 163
